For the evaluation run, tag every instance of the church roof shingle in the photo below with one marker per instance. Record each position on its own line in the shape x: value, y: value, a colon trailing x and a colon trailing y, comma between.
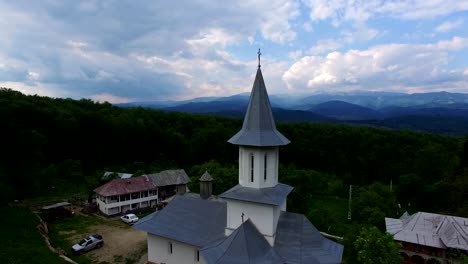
x: 245, y: 245
x: 273, y: 195
x: 189, y: 220
x: 259, y: 127
x: 206, y: 177
x: 201, y: 223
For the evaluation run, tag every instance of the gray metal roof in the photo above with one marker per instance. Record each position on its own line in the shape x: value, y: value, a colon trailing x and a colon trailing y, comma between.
x: 298, y: 241
x: 189, y: 220
x: 259, y: 127
x: 206, y: 177
x: 202, y: 223
x: 428, y: 229
x: 245, y: 245
x: 273, y: 195
x: 169, y: 177
x: 57, y: 205
x: 120, y: 175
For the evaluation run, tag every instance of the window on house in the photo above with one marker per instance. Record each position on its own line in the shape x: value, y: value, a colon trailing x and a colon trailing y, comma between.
x: 251, y: 167
x: 197, y: 255
x: 265, y: 168
x: 170, y: 247
x: 135, y: 195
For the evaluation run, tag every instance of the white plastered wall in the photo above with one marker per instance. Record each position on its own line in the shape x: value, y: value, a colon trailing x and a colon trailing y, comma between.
x: 245, y: 166
x: 159, y: 251
x: 263, y: 216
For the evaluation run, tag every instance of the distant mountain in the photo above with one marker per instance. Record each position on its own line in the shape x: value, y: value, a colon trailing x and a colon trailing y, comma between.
x: 283, y: 115
x: 345, y: 111
x: 445, y: 125
x: 236, y: 104
x: 373, y: 100
x: 366, y: 99
x: 439, y: 112
x: 425, y: 110
x: 378, y: 100
x: 164, y: 104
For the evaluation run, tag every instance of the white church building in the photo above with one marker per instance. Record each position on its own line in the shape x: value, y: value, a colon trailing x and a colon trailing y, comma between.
x: 249, y: 222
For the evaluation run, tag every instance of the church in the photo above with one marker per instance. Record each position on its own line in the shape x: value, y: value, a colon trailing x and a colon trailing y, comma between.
x: 248, y: 223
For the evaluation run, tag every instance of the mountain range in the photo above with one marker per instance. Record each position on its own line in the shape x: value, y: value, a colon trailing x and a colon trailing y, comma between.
x: 438, y: 112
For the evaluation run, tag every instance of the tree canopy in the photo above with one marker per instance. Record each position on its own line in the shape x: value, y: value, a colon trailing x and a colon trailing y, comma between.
x: 48, y: 142
x: 373, y: 246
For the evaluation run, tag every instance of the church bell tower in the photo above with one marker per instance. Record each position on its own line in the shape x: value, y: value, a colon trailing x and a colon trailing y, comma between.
x: 258, y: 196
x: 258, y: 140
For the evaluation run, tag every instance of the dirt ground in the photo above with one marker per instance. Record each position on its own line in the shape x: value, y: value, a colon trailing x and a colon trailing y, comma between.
x: 122, y: 243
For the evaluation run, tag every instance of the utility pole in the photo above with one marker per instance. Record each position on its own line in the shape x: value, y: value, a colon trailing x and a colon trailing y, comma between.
x: 349, y: 201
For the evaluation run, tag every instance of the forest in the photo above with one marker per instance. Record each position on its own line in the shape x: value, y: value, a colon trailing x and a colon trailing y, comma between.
x: 52, y: 145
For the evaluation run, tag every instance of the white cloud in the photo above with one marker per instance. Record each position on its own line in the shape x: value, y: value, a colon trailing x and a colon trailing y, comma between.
x: 361, y: 33
x: 178, y: 50
x: 109, y: 98
x: 156, y: 49
x: 449, y: 25
x: 415, y: 9
x: 295, y: 54
x: 456, y: 43
x: 33, y: 76
x: 36, y: 88
x: 380, y: 67
x: 275, y: 24
x: 362, y: 10
x: 214, y: 37
x: 307, y: 26
x: 325, y: 45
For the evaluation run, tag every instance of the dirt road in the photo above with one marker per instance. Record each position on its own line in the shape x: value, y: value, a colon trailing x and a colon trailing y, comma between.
x: 122, y: 243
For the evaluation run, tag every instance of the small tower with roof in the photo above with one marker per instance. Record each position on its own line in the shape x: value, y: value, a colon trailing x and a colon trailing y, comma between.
x: 258, y: 140
x: 206, y: 185
x: 258, y: 196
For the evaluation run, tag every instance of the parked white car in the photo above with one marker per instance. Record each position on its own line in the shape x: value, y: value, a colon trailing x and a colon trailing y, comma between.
x: 129, y: 218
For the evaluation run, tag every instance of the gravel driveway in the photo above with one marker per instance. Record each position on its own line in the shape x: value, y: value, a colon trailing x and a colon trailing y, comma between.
x: 122, y: 243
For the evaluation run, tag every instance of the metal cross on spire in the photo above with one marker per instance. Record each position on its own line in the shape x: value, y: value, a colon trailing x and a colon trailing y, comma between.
x: 242, y: 216
x: 259, y: 54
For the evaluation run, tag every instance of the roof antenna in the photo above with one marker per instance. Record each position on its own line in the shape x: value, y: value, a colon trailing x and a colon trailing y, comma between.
x: 259, y: 54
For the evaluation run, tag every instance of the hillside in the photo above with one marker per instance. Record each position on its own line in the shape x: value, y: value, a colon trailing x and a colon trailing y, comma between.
x: 49, y: 145
x: 345, y: 111
x: 440, y: 113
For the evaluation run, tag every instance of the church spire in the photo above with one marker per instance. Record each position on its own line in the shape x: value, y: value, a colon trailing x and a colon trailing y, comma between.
x: 259, y: 127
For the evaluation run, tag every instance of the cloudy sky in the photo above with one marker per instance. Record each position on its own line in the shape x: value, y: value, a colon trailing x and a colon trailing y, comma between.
x: 121, y: 51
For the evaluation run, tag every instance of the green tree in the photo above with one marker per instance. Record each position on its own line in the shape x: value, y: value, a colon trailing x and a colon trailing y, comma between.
x: 373, y: 246
x: 410, y: 186
x: 373, y: 203
x: 225, y: 176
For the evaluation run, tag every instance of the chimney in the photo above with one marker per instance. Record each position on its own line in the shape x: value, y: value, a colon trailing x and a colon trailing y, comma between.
x: 206, y: 185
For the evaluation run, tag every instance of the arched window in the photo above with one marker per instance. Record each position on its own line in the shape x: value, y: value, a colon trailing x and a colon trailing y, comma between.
x: 251, y: 167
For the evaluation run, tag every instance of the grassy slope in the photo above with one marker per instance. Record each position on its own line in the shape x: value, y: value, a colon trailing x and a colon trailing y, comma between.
x: 21, y: 241
x: 77, y: 225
